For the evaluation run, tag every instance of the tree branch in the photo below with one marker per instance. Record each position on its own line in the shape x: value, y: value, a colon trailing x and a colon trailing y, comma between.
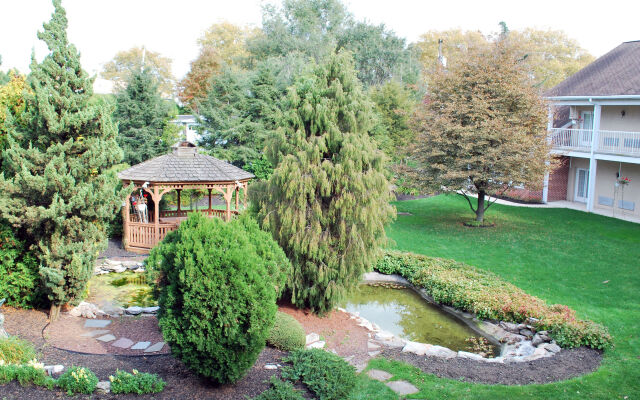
x: 463, y: 194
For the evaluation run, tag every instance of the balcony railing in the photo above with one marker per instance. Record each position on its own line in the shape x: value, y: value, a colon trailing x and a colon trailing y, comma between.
x: 609, y: 142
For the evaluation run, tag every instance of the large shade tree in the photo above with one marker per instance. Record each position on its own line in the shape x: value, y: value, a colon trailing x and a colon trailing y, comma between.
x: 328, y: 198
x: 56, y: 187
x: 126, y: 62
x: 481, y: 128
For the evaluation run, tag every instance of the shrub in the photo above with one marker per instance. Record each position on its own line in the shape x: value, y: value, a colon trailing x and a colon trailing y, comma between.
x: 19, y: 276
x: 25, y: 374
x: 78, y: 380
x: 327, y: 375
x: 16, y: 351
x: 136, y: 382
x: 279, y: 390
x: 490, y: 297
x: 216, y: 284
x: 287, y: 334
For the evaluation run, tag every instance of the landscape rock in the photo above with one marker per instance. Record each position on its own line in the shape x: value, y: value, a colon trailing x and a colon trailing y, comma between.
x: 439, y: 351
x: 104, y: 386
x: 379, y: 375
x: 403, y: 388
x: 510, y: 327
x: 384, y: 335
x: 416, y: 348
x: 372, y: 346
x: 512, y: 338
x: 526, y: 332
x: 311, y: 338
x: 472, y: 356
x: 316, y: 345
x: 270, y: 366
x: 537, y: 340
x: 156, y: 347
x: 525, y: 349
x: 53, y: 369
x: 499, y: 360
x: 552, y: 347
x: 374, y: 353
x: 150, y: 310
x: 86, y: 310
x: 133, y: 310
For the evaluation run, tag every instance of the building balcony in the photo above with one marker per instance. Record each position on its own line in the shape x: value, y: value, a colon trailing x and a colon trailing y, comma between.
x: 618, y: 143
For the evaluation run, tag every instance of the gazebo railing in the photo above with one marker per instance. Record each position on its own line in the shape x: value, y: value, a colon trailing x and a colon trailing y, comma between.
x: 144, y: 235
x: 185, y: 213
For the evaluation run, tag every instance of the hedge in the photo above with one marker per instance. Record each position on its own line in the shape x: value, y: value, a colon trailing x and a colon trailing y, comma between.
x: 490, y: 297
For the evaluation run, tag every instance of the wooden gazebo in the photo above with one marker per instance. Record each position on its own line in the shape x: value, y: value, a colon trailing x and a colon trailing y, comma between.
x: 183, y: 168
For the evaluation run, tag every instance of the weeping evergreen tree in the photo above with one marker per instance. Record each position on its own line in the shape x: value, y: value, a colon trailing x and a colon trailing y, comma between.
x: 142, y: 118
x: 56, y: 186
x: 328, y: 199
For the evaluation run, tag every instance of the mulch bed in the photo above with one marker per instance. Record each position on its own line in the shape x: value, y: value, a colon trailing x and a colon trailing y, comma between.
x: 338, y: 330
x: 66, y: 334
x: 567, y: 364
x: 181, y: 383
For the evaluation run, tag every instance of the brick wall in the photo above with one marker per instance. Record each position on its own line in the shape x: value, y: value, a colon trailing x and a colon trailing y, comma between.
x: 558, y: 181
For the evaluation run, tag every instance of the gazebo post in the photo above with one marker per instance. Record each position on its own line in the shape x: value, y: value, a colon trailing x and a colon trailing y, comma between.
x: 125, y: 221
x: 227, y: 198
x: 209, y: 201
x: 245, y: 186
x: 237, y: 198
x: 156, y: 214
x: 178, y: 190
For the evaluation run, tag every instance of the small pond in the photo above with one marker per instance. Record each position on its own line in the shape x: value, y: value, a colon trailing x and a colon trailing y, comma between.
x: 120, y: 290
x: 404, y: 313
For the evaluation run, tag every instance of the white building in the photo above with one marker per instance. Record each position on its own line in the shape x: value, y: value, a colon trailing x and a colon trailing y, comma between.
x: 189, y: 125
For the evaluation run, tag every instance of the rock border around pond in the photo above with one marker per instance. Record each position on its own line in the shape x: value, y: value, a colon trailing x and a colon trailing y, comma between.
x: 519, y: 342
x: 108, y: 266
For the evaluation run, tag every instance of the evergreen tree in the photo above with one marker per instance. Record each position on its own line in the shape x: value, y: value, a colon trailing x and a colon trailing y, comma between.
x: 240, y: 113
x: 55, y: 187
x: 328, y: 199
x: 143, y: 119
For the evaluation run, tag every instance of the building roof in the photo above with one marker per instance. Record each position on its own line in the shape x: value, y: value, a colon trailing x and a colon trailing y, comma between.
x: 616, y: 73
x: 184, y: 164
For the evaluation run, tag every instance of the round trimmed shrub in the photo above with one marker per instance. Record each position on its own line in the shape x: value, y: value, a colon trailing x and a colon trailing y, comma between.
x: 78, y: 380
x: 287, y: 334
x: 216, y: 283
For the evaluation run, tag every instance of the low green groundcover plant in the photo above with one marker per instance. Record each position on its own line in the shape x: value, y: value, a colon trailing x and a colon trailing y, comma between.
x: 327, y: 375
x: 490, y: 297
x: 287, y: 333
x: 14, y: 350
x: 279, y: 390
x: 217, y: 284
x: 78, y: 380
x: 32, y: 373
x: 136, y: 382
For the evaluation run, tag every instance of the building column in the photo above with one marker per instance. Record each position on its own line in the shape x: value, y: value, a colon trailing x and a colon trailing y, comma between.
x: 593, y: 163
x: 545, y: 184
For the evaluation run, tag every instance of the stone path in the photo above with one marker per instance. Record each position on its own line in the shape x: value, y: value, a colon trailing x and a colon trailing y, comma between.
x: 403, y: 388
x: 104, y: 335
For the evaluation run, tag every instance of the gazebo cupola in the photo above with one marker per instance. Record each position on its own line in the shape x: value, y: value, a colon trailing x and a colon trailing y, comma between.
x: 144, y: 225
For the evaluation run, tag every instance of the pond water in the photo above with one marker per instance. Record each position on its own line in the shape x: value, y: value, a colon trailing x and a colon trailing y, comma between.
x: 404, y: 313
x: 120, y: 290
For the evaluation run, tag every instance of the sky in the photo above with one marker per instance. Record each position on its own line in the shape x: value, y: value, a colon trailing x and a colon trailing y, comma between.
x: 101, y: 28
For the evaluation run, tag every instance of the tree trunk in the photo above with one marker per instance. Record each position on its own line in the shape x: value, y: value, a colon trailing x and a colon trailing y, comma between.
x: 54, y: 312
x: 480, y: 208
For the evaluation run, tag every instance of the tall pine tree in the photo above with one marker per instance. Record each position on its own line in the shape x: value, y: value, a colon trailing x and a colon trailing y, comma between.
x: 143, y: 119
x: 55, y: 185
x: 328, y: 198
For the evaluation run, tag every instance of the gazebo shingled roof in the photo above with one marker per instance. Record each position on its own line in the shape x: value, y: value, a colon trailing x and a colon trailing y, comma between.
x: 184, y: 164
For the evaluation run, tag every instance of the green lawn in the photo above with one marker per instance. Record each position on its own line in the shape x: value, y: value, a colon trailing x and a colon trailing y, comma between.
x: 586, y: 261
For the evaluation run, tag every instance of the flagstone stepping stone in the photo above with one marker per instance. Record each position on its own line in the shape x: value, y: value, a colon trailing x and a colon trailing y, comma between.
x: 379, y: 375
x: 402, y: 387
x: 95, y: 333
x: 140, y: 346
x: 123, y: 343
x: 156, y: 347
x: 107, y: 338
x: 96, y: 323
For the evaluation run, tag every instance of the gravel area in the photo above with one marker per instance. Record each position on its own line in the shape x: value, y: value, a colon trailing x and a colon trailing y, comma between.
x: 115, y: 251
x: 564, y: 365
